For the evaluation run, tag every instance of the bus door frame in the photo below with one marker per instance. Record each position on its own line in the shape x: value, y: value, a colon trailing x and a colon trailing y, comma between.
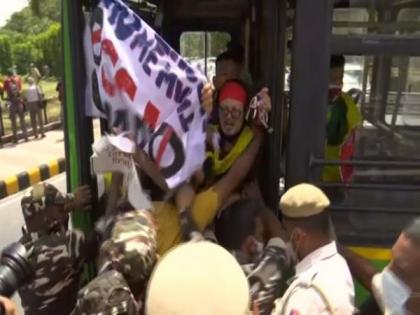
x: 308, y: 93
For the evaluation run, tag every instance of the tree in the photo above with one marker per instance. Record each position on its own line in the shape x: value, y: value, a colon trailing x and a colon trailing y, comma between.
x: 32, y: 35
x: 46, y: 8
x: 5, y: 54
x: 23, y: 54
x: 26, y: 22
x: 35, y: 6
x: 48, y: 44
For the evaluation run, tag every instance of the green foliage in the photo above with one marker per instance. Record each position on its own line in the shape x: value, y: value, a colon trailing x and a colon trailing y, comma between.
x: 23, y: 54
x: 35, y: 6
x: 32, y: 35
x: 192, y: 44
x: 6, y: 58
x: 48, y: 44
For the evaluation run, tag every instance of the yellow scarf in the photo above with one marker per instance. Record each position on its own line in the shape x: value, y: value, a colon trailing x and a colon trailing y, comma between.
x: 221, y: 166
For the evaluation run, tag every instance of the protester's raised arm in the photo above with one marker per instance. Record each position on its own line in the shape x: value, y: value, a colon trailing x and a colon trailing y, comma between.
x: 150, y: 169
x: 207, y: 98
x: 361, y: 268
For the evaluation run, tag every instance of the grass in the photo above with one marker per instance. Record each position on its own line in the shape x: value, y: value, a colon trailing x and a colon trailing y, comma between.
x: 53, y: 106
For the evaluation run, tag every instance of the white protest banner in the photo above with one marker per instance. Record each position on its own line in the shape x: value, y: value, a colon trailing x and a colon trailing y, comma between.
x: 142, y: 86
x: 107, y: 158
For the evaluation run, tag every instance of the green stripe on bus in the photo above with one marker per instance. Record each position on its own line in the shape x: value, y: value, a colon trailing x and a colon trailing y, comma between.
x: 70, y: 102
x: 80, y: 220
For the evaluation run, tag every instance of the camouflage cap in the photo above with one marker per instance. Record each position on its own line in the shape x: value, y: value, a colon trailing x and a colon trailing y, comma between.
x: 39, y: 197
x: 107, y: 294
x: 132, y: 247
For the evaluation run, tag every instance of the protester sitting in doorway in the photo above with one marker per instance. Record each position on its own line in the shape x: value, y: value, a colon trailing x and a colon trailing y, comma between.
x: 126, y: 260
x: 13, y: 88
x: 230, y: 138
x: 396, y: 290
x: 198, y: 278
x: 205, y: 205
x: 58, y: 254
x: 33, y: 97
x: 323, y: 283
x: 342, y: 122
x: 254, y: 235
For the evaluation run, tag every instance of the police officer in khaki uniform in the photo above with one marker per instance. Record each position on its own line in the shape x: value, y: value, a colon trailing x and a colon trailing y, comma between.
x: 323, y: 283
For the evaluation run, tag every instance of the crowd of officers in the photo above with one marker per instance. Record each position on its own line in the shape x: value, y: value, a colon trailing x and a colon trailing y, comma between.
x: 213, y: 247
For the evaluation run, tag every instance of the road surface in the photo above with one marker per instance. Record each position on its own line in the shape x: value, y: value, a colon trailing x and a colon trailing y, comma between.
x: 11, y: 218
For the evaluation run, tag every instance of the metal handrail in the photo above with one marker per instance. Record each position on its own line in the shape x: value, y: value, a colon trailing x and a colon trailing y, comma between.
x: 376, y: 210
x: 313, y: 161
x: 373, y: 186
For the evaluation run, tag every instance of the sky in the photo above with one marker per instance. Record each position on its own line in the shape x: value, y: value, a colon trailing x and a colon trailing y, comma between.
x: 8, y: 7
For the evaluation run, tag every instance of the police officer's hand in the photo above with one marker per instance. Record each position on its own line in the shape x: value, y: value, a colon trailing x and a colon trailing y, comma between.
x: 207, y: 98
x: 8, y: 306
x: 83, y: 197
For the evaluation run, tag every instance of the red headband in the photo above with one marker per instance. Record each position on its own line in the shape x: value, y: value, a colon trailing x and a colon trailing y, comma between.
x: 233, y: 90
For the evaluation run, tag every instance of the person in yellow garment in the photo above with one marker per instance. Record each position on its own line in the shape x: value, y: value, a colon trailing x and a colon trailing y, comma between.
x: 204, y: 206
x: 343, y: 119
x: 227, y: 141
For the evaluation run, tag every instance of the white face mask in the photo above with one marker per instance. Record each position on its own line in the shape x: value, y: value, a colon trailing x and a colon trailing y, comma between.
x: 391, y: 293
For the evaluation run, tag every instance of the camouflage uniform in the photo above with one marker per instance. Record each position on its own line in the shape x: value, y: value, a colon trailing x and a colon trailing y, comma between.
x: 131, y: 248
x: 57, y: 259
x: 267, y: 277
x: 107, y: 294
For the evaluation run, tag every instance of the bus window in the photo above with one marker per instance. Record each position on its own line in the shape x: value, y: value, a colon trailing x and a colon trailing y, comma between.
x: 355, y: 71
x: 376, y: 19
x: 351, y: 21
x: 202, y: 48
x: 403, y: 104
x: 390, y: 132
x: 410, y: 18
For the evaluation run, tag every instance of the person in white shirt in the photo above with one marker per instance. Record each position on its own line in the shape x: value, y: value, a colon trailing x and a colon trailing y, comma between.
x: 323, y: 283
x: 33, y: 97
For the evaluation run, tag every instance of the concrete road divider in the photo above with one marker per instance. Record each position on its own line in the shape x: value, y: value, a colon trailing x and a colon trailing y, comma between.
x: 21, y: 181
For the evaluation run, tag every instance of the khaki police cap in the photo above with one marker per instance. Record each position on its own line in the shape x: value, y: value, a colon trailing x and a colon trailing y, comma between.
x: 303, y: 200
x: 198, y: 278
